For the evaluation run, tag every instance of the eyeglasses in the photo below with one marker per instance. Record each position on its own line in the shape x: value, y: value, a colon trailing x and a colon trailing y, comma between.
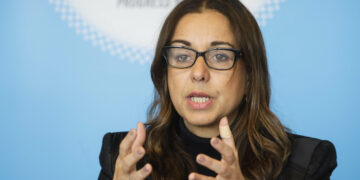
x: 217, y: 58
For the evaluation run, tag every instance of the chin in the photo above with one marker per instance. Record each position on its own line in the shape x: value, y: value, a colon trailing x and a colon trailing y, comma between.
x: 200, y: 120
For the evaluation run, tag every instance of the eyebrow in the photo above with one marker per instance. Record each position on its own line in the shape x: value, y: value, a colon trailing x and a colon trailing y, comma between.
x: 186, y: 43
x: 214, y: 43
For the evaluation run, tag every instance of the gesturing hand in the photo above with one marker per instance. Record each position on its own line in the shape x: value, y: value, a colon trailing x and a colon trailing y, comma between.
x: 130, y: 152
x: 228, y: 168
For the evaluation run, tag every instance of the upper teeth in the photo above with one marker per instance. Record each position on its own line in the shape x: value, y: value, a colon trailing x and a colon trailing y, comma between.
x: 200, y: 99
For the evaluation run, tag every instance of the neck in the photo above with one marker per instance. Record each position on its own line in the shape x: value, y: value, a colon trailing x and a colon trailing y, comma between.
x: 211, y: 130
x: 204, y: 131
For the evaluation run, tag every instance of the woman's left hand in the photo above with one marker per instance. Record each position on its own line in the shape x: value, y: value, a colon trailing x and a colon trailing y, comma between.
x: 228, y: 168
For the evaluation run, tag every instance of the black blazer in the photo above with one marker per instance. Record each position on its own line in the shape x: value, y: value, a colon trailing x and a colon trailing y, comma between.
x: 311, y: 159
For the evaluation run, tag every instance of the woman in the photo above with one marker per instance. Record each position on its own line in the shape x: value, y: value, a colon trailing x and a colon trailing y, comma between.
x: 210, y: 74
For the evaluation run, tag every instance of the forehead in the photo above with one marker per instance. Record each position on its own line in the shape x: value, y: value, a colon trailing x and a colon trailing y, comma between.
x: 203, y: 28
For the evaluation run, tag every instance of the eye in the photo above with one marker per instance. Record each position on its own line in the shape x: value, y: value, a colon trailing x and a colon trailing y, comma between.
x: 220, y: 57
x: 182, y: 58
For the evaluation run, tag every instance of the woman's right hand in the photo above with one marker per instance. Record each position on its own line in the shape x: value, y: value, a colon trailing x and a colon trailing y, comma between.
x: 130, y: 152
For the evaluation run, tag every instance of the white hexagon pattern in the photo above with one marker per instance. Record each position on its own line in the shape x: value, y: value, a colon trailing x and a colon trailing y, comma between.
x: 106, y: 24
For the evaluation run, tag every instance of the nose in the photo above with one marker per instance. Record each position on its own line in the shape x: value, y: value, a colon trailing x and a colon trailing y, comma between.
x: 200, y: 71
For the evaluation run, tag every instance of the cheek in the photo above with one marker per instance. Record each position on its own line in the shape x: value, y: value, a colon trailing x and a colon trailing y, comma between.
x: 233, y: 90
x: 171, y: 84
x: 175, y: 84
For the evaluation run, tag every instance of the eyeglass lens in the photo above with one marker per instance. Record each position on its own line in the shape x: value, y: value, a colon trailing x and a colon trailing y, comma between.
x: 217, y: 58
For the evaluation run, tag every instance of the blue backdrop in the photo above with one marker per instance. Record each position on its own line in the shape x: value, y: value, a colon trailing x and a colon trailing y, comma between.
x: 59, y: 95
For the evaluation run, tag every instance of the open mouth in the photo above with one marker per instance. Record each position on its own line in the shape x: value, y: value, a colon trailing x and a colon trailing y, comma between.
x: 199, y: 100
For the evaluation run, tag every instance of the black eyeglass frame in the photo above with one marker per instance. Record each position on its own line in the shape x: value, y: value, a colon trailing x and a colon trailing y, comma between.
x: 238, y: 54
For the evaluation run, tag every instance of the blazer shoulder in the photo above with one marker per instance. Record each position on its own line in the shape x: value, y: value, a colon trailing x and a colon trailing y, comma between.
x: 323, y: 161
x: 113, y: 138
x: 311, y: 158
x: 109, y: 152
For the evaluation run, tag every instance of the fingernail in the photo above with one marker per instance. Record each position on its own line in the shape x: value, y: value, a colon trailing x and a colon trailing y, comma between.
x: 131, y: 132
x: 224, y: 122
x: 201, y: 159
x: 192, y: 177
x: 215, y: 141
x: 139, y: 152
x: 147, y: 168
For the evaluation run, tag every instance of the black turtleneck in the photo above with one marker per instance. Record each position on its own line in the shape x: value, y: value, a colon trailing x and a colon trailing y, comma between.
x: 310, y: 158
x: 195, y: 145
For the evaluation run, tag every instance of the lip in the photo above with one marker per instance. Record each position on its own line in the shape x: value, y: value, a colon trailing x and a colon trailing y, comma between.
x: 198, y: 94
x: 196, y: 105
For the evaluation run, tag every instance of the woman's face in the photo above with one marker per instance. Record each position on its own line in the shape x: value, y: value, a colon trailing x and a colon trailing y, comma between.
x: 202, y: 96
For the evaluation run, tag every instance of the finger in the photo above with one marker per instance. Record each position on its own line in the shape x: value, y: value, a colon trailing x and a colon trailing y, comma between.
x: 227, y: 152
x: 211, y: 163
x: 225, y: 132
x: 129, y: 162
x: 143, y: 172
x: 196, y: 176
x: 126, y: 143
x: 140, y: 136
